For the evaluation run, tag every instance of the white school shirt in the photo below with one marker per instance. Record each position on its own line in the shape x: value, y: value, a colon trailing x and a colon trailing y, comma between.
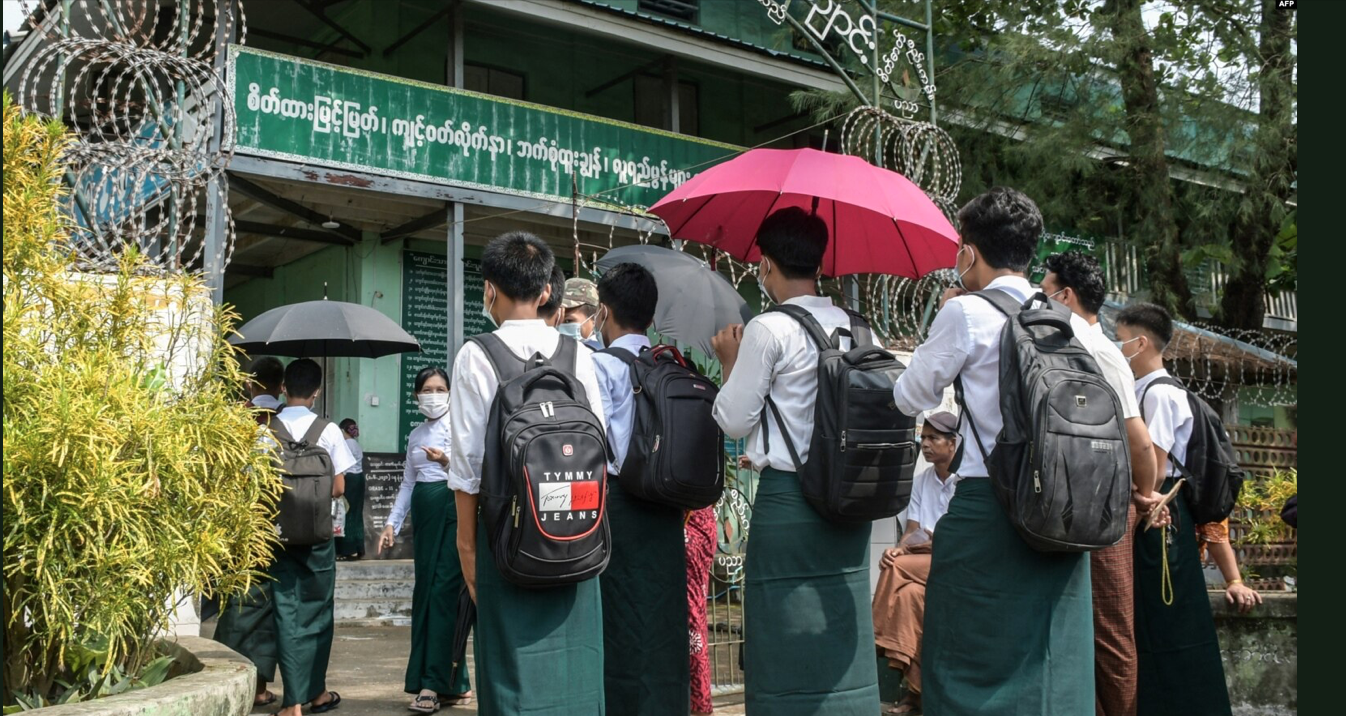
x: 965, y: 340
x: 779, y: 358
x: 472, y: 390
x: 298, y: 420
x: 419, y: 467
x: 619, y: 402
x: 1116, y: 370
x: 358, y: 453
x: 268, y: 402
x: 1167, y: 416
x: 930, y: 498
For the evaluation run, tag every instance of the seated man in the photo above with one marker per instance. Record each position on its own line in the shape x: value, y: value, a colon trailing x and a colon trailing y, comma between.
x: 899, y: 601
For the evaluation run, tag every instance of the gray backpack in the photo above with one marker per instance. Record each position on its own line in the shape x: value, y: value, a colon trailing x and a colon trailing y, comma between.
x: 304, y: 515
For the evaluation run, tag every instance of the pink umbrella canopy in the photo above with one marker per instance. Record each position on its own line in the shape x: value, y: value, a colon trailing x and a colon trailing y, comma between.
x: 878, y: 221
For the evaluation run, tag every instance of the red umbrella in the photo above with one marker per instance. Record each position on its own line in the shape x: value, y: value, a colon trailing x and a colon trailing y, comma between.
x: 879, y: 221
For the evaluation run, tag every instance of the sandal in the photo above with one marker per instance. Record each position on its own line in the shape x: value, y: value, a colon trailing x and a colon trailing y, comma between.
x: 457, y: 699
x: 423, y: 704
x: 329, y: 706
x: 267, y: 698
x: 912, y: 708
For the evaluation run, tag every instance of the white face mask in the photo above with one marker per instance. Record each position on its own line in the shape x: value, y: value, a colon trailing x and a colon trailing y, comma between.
x: 486, y: 309
x: 959, y: 280
x: 433, y: 405
x: 571, y: 330
x: 761, y: 281
x: 1120, y: 346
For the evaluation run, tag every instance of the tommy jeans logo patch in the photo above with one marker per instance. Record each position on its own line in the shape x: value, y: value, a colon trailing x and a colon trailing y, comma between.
x: 567, y: 496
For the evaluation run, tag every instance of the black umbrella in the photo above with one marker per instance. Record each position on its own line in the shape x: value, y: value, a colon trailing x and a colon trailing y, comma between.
x: 467, y: 617
x: 324, y: 329
x: 695, y: 302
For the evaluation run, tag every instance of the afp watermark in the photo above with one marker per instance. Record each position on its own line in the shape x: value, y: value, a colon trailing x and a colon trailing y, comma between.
x: 1287, y: 4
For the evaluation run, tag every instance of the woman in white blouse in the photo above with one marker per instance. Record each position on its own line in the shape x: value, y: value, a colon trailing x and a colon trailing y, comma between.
x: 439, y: 578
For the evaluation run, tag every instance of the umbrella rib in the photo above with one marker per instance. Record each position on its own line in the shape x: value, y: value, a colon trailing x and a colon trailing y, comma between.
x: 907, y: 246
x: 684, y: 224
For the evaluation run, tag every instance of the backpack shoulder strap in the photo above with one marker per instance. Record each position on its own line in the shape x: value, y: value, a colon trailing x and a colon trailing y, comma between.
x: 315, y: 430
x: 278, y: 429
x: 620, y: 354
x: 566, y: 356
x: 1166, y: 380
x: 861, y: 334
x: 507, y: 365
x: 1002, y: 301
x: 805, y: 319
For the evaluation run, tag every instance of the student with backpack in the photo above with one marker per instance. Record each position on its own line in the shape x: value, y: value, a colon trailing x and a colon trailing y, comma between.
x: 314, y: 459
x: 644, y: 588
x: 248, y: 626
x: 1180, y: 670
x: 808, y: 631
x: 529, y: 478
x: 431, y: 677
x: 1075, y: 280
x: 1008, y: 625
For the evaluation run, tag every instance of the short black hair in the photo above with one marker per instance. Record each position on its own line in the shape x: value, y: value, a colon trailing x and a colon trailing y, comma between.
x: 426, y: 374
x: 1005, y: 226
x: 268, y: 373
x: 518, y: 264
x: 548, y: 310
x: 794, y: 240
x: 303, y: 377
x: 629, y: 291
x: 346, y: 424
x: 1150, y: 318
x: 1082, y: 274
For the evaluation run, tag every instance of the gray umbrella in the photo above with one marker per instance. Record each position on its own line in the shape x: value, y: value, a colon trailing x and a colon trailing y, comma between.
x: 316, y: 329
x: 694, y: 301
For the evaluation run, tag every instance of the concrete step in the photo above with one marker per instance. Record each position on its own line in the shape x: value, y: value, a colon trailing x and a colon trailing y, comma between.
x: 373, y: 589
x: 372, y: 608
x: 370, y: 568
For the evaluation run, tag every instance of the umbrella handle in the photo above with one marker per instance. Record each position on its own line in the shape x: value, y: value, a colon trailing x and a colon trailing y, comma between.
x: 677, y: 355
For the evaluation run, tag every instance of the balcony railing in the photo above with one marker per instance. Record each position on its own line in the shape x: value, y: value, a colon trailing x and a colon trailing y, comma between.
x: 1124, y: 272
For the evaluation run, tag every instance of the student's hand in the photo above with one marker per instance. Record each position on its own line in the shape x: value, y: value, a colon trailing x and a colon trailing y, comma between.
x: 744, y: 462
x: 890, y: 555
x: 1242, y: 597
x: 726, y: 344
x: 951, y: 292
x: 386, y: 539
x: 436, y: 455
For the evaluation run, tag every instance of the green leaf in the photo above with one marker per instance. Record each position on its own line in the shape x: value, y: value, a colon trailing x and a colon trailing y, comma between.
x: 156, y: 671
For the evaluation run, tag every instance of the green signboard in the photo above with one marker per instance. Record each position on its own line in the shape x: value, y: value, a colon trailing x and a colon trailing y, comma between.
x: 1059, y: 242
x: 425, y: 314
x: 316, y: 113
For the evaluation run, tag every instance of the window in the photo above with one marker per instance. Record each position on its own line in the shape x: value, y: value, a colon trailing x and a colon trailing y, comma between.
x: 490, y: 80
x: 652, y: 104
x: 684, y: 10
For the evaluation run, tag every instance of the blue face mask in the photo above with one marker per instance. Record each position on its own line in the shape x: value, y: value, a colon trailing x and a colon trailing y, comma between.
x: 571, y: 330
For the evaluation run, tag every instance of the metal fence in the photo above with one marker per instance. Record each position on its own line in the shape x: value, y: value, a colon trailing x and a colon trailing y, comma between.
x: 724, y: 597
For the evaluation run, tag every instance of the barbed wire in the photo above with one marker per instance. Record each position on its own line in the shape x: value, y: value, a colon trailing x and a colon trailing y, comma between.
x: 153, y: 120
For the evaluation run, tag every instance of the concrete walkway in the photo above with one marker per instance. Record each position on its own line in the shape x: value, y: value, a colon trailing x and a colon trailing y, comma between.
x: 369, y: 663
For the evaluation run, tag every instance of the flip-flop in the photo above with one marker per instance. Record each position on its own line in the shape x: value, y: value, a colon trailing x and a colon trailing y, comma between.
x: 329, y: 706
x: 424, y: 704
x: 456, y: 699
x: 913, y: 709
x: 270, y: 699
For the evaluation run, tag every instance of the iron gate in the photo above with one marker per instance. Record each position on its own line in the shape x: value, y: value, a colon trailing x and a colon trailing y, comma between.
x: 724, y: 597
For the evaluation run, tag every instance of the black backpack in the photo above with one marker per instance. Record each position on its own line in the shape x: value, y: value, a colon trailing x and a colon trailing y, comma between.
x: 544, y: 479
x: 862, y: 452
x: 1061, y: 466
x: 1214, y: 477
x: 304, y: 514
x: 676, y: 453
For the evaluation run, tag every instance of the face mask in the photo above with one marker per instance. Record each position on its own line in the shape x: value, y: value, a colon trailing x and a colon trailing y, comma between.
x: 1120, y: 345
x: 571, y: 330
x: 761, y: 285
x: 598, y: 326
x: 486, y: 311
x: 959, y: 280
x: 433, y: 405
